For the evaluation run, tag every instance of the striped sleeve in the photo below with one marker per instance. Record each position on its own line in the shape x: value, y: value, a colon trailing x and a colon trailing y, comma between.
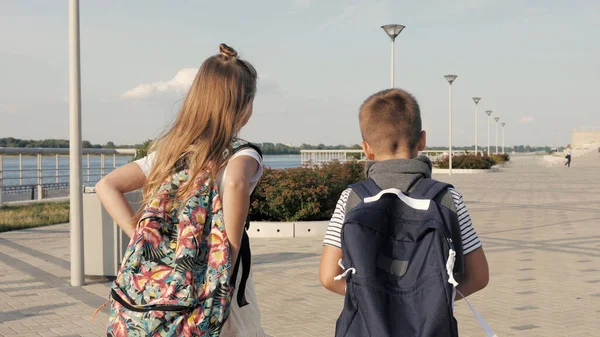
x: 470, y: 240
x: 333, y: 235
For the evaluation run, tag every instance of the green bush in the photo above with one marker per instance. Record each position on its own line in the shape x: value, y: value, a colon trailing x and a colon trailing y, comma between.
x: 466, y: 161
x: 141, y: 151
x: 302, y: 194
x: 501, y: 158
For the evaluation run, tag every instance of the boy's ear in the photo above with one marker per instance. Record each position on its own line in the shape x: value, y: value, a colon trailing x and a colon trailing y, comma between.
x: 368, y: 152
x: 422, y: 140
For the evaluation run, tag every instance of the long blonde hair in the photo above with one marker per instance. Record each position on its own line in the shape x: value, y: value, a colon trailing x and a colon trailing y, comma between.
x: 216, y: 107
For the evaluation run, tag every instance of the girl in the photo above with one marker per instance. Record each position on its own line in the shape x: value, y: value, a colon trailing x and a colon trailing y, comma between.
x: 217, y: 106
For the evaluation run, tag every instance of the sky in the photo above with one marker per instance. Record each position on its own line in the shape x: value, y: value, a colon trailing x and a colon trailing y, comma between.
x: 534, y: 63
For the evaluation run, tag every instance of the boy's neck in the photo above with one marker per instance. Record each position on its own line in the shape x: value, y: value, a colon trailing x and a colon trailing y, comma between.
x: 399, y: 155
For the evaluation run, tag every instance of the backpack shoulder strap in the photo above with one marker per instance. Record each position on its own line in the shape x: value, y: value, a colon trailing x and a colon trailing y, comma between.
x: 366, y: 188
x: 429, y: 189
x: 245, y: 254
x: 237, y: 146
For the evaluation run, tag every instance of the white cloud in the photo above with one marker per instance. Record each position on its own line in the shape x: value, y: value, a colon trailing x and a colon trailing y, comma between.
x: 526, y: 119
x: 267, y: 86
x: 183, y: 79
x: 180, y: 83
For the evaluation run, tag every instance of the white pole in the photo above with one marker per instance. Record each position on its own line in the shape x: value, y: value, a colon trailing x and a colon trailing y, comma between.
x: 476, y: 114
x: 496, y: 137
x: 450, y: 129
x: 488, y: 135
x: 76, y: 216
x: 503, y: 139
x: 392, y: 71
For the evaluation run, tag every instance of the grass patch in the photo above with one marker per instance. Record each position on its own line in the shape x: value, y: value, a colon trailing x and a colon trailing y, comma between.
x: 33, y: 215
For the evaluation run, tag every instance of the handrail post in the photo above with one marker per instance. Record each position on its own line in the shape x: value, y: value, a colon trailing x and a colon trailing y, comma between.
x: 101, y: 165
x: 1, y: 169
x: 40, y: 187
x: 20, y: 169
x: 57, y: 173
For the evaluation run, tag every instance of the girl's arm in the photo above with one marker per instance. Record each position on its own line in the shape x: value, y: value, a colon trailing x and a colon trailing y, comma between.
x: 111, y: 190
x: 236, y: 199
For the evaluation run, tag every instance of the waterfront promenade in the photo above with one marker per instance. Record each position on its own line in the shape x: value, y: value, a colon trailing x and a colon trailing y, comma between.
x: 539, y: 226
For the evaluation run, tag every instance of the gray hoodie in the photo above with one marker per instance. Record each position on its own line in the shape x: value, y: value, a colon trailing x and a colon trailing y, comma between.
x: 403, y: 174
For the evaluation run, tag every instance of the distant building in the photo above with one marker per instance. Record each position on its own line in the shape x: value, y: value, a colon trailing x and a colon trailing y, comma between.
x: 585, y: 138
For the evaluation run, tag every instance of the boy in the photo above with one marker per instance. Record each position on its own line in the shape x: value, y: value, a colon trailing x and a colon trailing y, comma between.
x: 390, y: 125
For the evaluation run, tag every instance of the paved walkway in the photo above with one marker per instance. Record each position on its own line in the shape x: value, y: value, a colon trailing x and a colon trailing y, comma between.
x: 539, y: 226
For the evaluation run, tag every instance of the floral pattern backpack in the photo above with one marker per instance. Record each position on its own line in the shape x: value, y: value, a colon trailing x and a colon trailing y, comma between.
x: 177, y: 278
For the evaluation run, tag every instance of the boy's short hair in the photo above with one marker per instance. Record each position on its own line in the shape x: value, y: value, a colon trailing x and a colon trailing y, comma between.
x: 390, y: 119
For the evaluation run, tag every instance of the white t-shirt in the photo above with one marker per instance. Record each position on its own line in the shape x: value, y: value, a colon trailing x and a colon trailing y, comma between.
x: 246, y: 321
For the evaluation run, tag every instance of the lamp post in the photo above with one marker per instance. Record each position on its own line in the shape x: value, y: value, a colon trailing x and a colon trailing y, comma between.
x: 476, y: 100
x: 392, y: 31
x: 503, y: 125
x: 497, y: 119
x: 489, y: 113
x: 450, y: 79
x: 76, y: 202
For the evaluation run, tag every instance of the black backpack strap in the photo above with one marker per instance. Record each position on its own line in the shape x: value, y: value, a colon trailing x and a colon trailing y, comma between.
x: 429, y: 188
x: 245, y: 257
x: 366, y: 188
x: 248, y: 145
x: 245, y: 254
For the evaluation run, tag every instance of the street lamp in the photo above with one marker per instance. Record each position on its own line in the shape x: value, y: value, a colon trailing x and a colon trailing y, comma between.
x: 476, y: 100
x: 392, y: 31
x: 450, y: 79
x: 503, y: 125
x: 489, y: 113
x: 75, y: 177
x: 497, y: 119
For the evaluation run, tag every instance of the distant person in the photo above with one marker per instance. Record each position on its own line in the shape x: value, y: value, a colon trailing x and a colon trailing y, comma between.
x: 568, y: 156
x: 181, y: 275
x: 381, y: 253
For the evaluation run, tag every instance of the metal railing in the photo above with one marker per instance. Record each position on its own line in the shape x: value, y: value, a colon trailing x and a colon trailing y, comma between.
x: 312, y: 158
x: 31, y: 173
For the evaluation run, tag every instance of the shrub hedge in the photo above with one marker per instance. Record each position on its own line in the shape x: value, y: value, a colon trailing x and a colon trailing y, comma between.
x: 501, y: 158
x: 302, y: 194
x: 472, y: 161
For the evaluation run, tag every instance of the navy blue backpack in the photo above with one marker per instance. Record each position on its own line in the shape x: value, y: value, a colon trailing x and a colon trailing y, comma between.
x: 398, y: 261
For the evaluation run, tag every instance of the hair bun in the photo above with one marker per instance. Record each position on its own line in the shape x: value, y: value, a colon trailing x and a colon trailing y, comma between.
x: 227, y: 51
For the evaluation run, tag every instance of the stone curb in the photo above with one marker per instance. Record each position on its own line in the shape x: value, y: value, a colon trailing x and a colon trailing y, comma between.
x: 265, y: 229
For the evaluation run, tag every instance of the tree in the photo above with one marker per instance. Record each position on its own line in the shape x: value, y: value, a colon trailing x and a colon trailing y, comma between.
x: 110, y: 145
x: 142, y: 150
